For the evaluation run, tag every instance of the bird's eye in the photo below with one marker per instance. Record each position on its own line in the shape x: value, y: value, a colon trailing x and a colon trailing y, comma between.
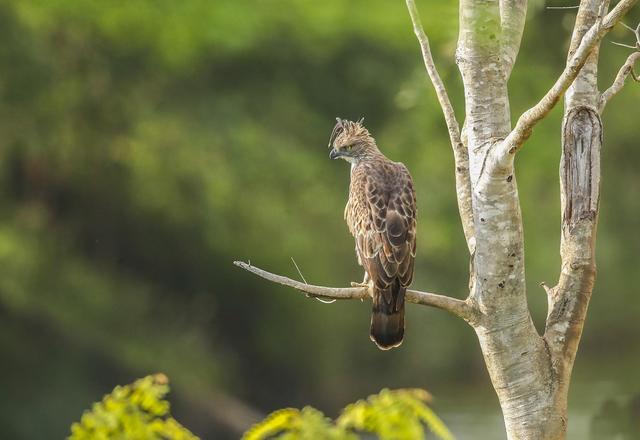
x: 349, y: 147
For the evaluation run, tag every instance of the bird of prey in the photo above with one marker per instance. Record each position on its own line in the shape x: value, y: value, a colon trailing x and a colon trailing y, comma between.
x: 381, y: 215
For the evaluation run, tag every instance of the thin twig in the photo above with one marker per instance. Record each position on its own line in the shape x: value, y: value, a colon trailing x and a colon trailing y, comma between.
x: 627, y: 26
x: 324, y: 301
x: 635, y: 32
x: 628, y: 46
x: 297, y: 268
x: 434, y: 76
x: 460, y: 153
x: 563, y: 7
x: 618, y: 83
x: 535, y: 114
x: 457, y: 307
x: 546, y: 288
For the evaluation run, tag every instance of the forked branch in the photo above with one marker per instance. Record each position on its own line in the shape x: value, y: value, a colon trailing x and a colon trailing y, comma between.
x: 618, y: 83
x: 460, y: 154
x: 457, y: 307
x: 512, y: 17
x: 535, y: 114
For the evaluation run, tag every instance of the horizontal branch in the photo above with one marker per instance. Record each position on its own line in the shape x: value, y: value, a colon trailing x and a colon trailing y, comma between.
x: 455, y: 306
x: 531, y: 117
x: 618, y: 83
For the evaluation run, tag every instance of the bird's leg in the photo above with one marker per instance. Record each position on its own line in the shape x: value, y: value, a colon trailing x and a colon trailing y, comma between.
x: 365, y: 282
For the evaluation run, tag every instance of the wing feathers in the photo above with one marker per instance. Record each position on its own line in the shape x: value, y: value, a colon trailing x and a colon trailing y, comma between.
x: 396, y: 228
x: 381, y: 215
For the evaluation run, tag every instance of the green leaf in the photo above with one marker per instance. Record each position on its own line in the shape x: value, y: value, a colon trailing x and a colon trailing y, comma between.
x: 133, y: 412
x: 293, y: 424
x: 390, y: 415
x: 274, y: 423
x: 394, y: 415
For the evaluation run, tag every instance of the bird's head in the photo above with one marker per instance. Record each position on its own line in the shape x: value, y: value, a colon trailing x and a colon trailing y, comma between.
x: 351, y: 141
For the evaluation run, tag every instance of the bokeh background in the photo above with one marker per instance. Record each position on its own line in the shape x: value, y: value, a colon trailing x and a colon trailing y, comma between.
x: 145, y: 145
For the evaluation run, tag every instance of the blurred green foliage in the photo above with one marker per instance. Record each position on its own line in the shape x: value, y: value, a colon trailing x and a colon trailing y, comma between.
x: 616, y: 420
x: 389, y: 415
x: 132, y: 412
x: 292, y: 424
x: 397, y: 414
x: 145, y: 145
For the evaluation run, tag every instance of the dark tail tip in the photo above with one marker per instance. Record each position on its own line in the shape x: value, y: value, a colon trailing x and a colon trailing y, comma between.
x: 387, y: 329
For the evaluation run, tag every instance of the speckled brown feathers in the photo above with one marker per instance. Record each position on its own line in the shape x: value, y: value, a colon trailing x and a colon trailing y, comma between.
x: 381, y: 215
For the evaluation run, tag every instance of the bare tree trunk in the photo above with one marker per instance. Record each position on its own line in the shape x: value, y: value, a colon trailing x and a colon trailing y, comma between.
x: 516, y: 356
x: 579, y: 194
x: 530, y: 372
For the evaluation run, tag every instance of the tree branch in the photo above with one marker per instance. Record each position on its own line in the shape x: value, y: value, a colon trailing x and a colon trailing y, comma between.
x: 579, y: 198
x: 512, y: 18
x: 531, y: 117
x: 438, y: 85
x: 618, y: 83
x: 457, y: 307
x: 460, y: 154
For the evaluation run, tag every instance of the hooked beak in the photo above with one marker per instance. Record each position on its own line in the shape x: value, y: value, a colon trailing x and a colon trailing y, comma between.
x: 334, y: 154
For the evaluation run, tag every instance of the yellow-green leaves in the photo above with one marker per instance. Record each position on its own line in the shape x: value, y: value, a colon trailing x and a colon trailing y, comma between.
x: 398, y: 414
x: 132, y: 412
x: 390, y: 415
x: 294, y: 424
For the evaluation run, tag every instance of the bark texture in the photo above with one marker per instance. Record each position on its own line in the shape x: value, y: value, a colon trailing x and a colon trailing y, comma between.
x: 516, y: 356
x: 579, y: 197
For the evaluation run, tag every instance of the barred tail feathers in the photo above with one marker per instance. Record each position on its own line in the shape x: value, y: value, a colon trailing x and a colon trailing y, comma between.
x: 387, y: 316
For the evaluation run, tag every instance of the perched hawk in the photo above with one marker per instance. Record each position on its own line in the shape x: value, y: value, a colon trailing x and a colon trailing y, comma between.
x: 381, y: 214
